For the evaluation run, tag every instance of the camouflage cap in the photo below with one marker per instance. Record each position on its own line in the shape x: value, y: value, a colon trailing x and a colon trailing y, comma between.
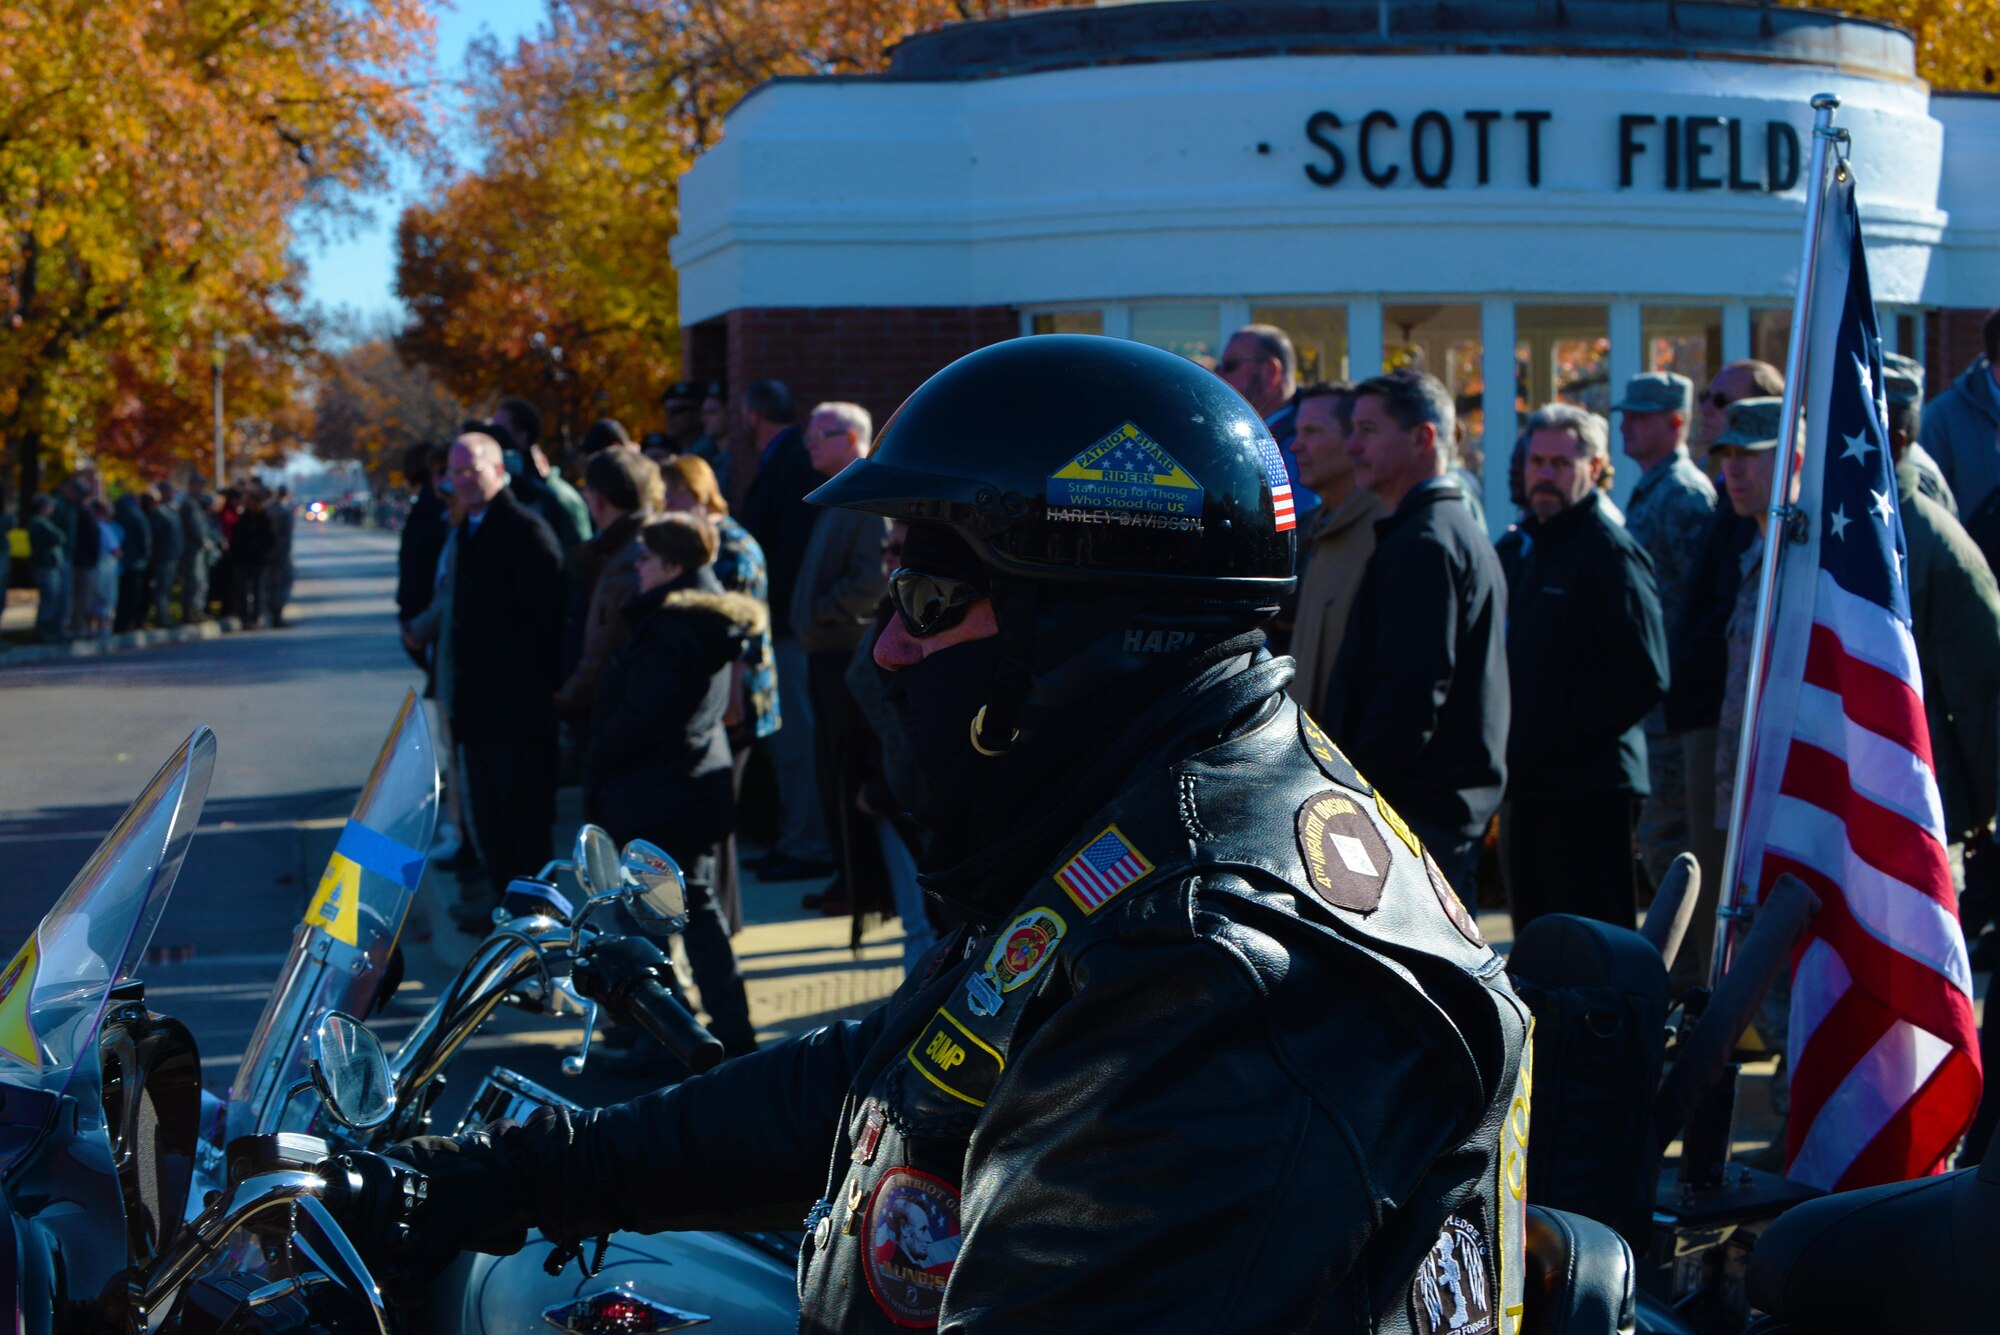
x: 1902, y: 379
x: 1656, y: 392
x: 1753, y: 425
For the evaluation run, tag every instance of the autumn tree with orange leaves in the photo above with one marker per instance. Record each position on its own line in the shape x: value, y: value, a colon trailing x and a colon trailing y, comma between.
x: 546, y: 273
x: 154, y: 160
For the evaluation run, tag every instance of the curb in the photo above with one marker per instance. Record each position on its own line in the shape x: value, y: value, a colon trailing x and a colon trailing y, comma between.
x: 24, y: 655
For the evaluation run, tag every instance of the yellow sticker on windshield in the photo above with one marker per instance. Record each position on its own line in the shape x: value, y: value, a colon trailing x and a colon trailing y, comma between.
x: 17, y: 1031
x: 336, y: 906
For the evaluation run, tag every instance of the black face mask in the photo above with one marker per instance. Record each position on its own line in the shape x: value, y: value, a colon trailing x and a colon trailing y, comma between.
x: 967, y: 799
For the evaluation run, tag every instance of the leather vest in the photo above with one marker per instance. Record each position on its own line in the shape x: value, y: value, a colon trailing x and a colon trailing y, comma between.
x: 1275, y: 815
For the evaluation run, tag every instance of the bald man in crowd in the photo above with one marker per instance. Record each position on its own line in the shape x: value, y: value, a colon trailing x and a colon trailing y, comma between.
x: 506, y: 651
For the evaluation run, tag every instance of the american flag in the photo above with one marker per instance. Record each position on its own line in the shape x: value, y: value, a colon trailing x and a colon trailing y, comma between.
x: 1281, y: 486
x: 1884, y: 1055
x: 1101, y: 870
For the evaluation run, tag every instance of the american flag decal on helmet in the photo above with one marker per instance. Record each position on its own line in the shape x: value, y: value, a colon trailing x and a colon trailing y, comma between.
x: 1281, y: 487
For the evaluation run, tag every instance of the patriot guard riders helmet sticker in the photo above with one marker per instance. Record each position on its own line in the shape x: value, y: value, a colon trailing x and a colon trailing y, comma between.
x: 1347, y: 859
x: 1128, y: 479
x: 911, y: 1244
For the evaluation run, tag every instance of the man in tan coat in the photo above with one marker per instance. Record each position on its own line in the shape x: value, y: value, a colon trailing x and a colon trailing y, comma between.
x: 1334, y: 540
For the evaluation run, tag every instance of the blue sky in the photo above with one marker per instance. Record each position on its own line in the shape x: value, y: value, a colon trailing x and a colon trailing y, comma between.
x: 357, y: 270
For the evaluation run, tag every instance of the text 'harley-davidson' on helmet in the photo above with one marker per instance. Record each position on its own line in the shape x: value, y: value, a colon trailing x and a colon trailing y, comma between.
x: 1097, y: 470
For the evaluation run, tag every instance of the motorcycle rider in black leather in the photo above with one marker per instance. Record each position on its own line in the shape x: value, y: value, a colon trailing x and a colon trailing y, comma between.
x: 1219, y: 1049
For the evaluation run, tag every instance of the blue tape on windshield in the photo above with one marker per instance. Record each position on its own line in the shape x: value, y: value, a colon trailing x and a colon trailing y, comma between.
x: 371, y: 850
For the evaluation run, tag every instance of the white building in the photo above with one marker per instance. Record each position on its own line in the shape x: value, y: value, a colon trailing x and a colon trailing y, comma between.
x: 1537, y: 199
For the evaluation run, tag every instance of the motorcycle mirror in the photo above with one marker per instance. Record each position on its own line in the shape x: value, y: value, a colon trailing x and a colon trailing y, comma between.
x: 351, y: 1072
x: 596, y: 859
x: 661, y: 889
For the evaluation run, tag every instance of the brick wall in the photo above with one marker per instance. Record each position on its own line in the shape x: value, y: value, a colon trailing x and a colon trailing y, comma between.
x: 1951, y: 340
x: 870, y: 355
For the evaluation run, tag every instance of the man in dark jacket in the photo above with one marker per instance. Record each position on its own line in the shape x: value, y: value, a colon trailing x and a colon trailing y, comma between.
x: 1961, y: 427
x: 251, y: 545
x: 48, y: 554
x: 199, y: 544
x: 776, y: 513
x: 506, y: 653
x: 134, y: 563
x: 423, y: 539
x: 1586, y: 659
x: 1220, y: 1051
x: 1419, y: 692
x: 165, y: 523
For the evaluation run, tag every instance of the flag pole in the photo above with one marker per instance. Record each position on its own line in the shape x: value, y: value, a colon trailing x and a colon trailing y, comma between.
x: 1777, y: 526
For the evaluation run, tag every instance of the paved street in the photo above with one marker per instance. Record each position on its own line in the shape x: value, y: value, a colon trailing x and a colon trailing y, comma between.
x: 299, y: 715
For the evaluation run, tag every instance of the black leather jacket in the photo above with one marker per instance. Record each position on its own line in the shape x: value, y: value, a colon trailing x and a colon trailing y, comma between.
x: 1246, y: 1067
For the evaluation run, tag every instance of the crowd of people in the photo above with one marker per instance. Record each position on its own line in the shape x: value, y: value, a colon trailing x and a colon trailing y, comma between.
x: 1554, y: 714
x: 159, y: 556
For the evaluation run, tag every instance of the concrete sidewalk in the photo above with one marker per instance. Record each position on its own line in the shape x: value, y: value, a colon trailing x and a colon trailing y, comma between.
x: 17, y: 622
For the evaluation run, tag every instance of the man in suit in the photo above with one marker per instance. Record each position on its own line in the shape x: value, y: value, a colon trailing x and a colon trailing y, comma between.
x: 506, y: 651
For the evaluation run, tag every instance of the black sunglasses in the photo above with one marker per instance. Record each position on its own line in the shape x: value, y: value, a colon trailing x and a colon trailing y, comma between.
x: 929, y: 604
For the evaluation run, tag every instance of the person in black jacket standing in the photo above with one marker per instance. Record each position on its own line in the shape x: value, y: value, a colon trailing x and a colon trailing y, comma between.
x: 657, y: 765
x: 1586, y: 658
x: 776, y: 513
x: 506, y: 652
x: 423, y: 539
x: 1418, y: 695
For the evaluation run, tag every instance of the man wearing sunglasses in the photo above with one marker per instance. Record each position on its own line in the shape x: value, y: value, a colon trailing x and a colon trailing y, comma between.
x: 1216, y: 1047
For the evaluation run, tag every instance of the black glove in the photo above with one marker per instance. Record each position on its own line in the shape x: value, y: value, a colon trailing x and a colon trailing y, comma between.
x: 413, y: 1209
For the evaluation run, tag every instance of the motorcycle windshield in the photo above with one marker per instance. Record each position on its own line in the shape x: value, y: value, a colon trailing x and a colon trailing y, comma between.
x: 341, y: 949
x: 53, y: 990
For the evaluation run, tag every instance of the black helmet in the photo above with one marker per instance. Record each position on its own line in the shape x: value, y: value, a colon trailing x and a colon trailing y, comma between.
x: 1074, y: 459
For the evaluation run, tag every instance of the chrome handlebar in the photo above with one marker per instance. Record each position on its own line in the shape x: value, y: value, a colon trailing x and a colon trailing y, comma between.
x: 197, y: 1243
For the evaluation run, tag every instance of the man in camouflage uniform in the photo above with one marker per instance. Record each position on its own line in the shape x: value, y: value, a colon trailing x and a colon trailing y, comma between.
x: 1670, y: 513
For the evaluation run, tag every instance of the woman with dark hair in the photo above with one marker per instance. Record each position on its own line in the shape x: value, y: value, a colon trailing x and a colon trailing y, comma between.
x: 753, y: 693
x: 621, y: 489
x: 657, y: 765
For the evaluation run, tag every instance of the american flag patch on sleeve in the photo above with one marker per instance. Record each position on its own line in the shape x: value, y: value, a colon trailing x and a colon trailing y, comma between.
x: 1106, y: 866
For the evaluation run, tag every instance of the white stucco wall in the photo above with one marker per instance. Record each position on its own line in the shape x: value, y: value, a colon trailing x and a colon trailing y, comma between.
x: 1147, y: 181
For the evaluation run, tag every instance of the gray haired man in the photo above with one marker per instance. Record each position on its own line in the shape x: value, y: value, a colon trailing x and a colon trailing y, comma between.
x: 1669, y: 514
x: 1586, y: 661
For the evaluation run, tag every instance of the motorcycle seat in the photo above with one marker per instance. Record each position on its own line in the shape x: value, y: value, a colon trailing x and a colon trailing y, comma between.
x: 1579, y: 1276
x: 1908, y: 1256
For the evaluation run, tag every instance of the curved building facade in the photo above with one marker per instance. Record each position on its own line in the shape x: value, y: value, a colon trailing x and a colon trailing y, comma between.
x: 1534, y: 200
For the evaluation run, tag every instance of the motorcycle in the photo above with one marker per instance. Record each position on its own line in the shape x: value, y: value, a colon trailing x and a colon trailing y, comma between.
x: 548, y: 954
x: 134, y: 1201
x: 105, y: 1226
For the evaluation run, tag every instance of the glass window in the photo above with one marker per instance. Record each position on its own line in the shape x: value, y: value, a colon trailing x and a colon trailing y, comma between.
x: 1318, y: 332
x: 1443, y: 339
x: 1068, y: 322
x: 1770, y: 331
x: 1188, y: 328
x: 1563, y: 355
x: 1686, y: 340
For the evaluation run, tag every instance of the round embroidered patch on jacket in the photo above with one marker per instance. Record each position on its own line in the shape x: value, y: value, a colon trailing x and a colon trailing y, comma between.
x: 1452, y: 1292
x: 1347, y: 859
x: 911, y: 1245
x: 1454, y: 907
